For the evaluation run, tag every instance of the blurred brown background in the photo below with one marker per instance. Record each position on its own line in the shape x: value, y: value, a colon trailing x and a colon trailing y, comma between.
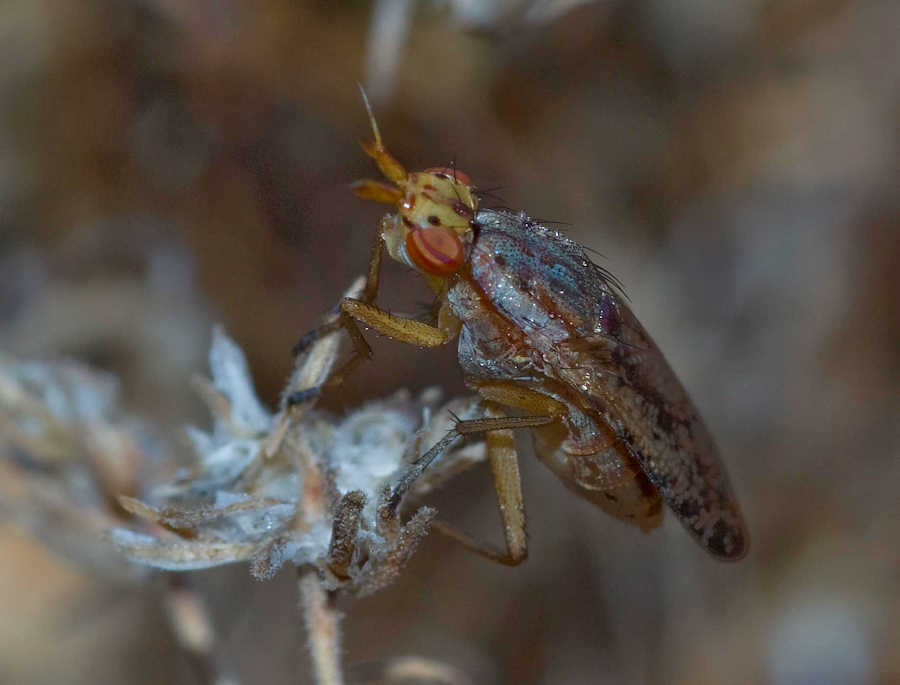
x: 166, y: 164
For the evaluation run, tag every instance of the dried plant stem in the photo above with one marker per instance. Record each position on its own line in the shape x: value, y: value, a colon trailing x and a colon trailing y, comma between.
x: 316, y: 603
x: 321, y: 620
x: 194, y: 632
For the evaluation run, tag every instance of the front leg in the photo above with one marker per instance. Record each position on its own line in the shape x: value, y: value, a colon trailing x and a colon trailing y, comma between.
x: 409, y: 331
x: 361, y: 349
x: 368, y: 295
x: 372, y: 278
x: 361, y: 352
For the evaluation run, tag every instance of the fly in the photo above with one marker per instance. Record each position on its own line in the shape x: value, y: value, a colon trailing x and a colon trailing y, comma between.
x: 544, y: 331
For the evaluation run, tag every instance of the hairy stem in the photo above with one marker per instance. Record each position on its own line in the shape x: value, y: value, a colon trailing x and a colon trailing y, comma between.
x: 194, y: 632
x: 321, y: 619
x: 316, y: 603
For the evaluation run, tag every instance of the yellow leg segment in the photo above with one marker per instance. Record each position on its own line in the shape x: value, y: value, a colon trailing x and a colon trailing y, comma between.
x: 504, y: 461
x: 512, y: 395
x: 396, y: 327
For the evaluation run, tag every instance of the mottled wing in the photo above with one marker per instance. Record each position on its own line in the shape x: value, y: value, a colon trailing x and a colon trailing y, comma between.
x: 592, y: 342
x: 632, y: 386
x: 641, y: 398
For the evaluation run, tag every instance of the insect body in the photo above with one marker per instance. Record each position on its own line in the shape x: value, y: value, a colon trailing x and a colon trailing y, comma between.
x: 544, y: 330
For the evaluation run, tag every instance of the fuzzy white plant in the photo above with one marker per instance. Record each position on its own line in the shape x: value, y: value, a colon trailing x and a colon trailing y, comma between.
x: 66, y: 451
x: 299, y: 486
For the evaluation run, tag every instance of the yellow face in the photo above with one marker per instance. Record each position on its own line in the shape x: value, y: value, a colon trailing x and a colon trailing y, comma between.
x: 439, y: 197
x: 432, y: 231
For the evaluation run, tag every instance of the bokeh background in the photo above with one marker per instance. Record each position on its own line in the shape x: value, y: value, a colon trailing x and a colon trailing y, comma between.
x: 169, y: 164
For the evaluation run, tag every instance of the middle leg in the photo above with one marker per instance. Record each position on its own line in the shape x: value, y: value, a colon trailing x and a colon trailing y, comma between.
x: 507, y: 482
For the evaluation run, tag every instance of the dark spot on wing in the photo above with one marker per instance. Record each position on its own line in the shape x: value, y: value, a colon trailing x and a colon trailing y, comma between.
x: 664, y: 419
x: 726, y: 541
x: 609, y: 316
x: 688, y: 509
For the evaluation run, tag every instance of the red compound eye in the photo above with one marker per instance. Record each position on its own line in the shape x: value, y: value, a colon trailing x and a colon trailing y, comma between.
x: 435, y: 250
x: 452, y: 173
